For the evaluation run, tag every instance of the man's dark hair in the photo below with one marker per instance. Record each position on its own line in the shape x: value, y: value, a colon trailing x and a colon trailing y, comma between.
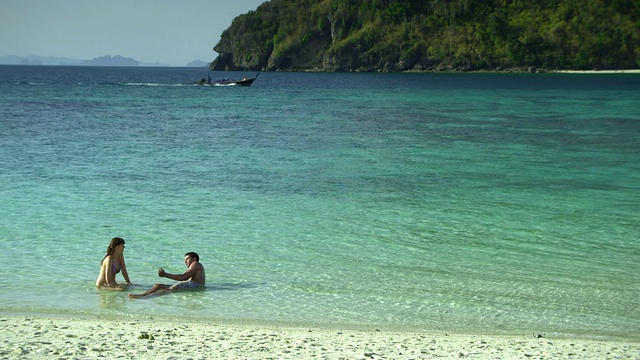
x: 193, y: 255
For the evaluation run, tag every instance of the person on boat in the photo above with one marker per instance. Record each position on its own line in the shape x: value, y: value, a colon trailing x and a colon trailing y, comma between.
x: 111, y: 264
x: 202, y: 81
x: 192, y: 279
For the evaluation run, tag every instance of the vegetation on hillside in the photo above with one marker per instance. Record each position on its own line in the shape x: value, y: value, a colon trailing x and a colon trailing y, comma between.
x: 398, y: 35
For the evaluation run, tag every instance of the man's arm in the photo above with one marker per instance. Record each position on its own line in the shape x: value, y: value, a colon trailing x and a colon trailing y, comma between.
x: 193, y: 268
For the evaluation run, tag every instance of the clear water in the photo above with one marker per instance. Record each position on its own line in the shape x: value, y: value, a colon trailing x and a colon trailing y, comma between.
x: 485, y: 203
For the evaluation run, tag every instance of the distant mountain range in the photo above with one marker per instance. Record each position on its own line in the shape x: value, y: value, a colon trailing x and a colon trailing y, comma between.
x: 198, y: 63
x: 99, y: 61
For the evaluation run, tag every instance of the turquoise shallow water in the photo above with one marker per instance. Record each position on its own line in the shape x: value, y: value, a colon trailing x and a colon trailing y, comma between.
x: 483, y: 203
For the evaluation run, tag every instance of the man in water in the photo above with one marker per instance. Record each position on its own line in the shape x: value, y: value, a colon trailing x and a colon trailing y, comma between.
x: 193, y: 278
x: 203, y: 81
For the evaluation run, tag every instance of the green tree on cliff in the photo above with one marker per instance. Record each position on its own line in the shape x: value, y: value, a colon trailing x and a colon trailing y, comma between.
x: 373, y: 35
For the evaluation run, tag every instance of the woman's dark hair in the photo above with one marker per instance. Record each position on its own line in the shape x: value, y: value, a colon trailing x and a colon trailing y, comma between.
x: 112, y: 246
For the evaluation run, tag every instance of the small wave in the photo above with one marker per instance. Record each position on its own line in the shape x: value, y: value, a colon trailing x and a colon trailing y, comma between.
x: 141, y: 84
x: 150, y: 84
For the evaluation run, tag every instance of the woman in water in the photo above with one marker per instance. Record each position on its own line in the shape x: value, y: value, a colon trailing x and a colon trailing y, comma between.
x: 112, y: 264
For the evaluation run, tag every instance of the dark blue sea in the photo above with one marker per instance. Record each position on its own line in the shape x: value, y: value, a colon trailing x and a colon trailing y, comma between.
x: 475, y: 203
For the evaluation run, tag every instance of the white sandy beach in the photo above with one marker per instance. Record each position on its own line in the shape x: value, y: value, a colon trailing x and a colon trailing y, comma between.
x: 31, y: 337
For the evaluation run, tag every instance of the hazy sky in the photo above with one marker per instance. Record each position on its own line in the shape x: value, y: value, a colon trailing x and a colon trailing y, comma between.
x: 173, y: 32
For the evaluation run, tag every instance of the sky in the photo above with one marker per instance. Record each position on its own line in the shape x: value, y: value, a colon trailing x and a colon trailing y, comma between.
x: 172, y: 32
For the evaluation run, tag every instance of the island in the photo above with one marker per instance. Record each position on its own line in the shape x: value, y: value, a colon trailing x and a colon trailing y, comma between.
x: 417, y: 35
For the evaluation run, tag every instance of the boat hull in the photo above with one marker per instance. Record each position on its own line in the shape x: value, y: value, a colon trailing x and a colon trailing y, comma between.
x: 244, y: 82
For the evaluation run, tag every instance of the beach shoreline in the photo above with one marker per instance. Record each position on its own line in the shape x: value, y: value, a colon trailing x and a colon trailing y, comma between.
x: 628, y: 71
x: 41, y: 336
x: 523, y: 70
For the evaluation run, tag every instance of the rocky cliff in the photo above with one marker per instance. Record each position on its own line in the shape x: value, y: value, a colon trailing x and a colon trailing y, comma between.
x: 443, y: 35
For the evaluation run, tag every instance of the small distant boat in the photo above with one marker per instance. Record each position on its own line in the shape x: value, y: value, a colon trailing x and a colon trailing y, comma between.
x: 243, y: 82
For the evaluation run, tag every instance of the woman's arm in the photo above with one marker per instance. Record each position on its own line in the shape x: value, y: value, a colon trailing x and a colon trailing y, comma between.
x: 125, y: 274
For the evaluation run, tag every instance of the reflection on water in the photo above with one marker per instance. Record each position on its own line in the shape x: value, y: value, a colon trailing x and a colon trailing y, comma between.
x: 117, y: 301
x: 112, y: 299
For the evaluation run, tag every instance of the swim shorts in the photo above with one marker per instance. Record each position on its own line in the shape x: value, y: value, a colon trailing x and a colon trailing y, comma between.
x: 185, y: 285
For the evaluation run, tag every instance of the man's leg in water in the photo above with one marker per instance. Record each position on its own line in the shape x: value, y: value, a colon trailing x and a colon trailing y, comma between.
x: 153, y: 289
